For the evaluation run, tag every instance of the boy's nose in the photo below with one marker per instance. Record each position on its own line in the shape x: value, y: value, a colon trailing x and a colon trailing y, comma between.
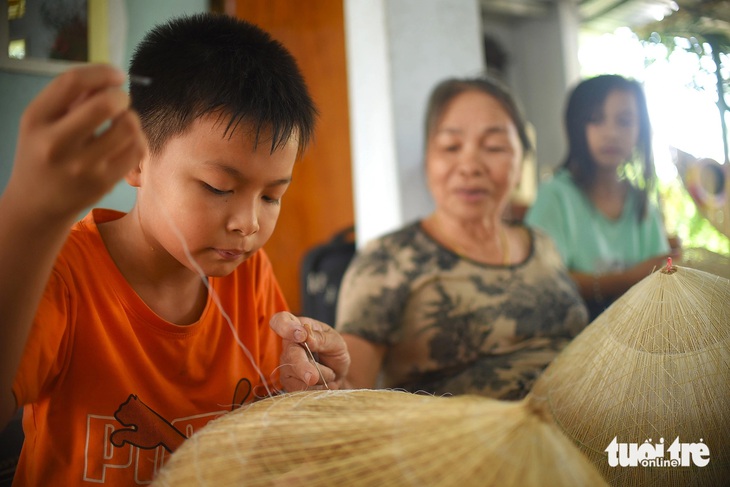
x: 244, y: 222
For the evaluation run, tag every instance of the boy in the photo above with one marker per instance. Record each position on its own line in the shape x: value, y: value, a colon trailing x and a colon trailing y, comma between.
x: 112, y: 341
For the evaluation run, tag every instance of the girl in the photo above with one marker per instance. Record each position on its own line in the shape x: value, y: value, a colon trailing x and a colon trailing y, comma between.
x: 609, y: 234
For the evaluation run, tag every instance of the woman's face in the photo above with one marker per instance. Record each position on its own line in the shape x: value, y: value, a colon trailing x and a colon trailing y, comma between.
x: 613, y: 131
x: 473, y: 157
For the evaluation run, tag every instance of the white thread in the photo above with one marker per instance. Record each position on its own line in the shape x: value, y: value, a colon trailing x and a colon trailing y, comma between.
x: 214, y: 296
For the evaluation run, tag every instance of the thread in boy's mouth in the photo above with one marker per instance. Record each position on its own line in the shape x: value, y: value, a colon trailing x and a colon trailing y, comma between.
x: 214, y: 296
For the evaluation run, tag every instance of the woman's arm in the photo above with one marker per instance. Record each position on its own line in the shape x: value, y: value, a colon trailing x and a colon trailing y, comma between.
x: 367, y: 359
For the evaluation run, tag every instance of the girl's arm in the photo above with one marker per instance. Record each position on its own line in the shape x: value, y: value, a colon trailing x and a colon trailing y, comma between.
x: 607, y: 287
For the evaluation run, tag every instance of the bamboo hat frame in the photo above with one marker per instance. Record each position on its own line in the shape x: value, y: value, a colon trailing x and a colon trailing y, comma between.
x: 380, y: 437
x: 655, y: 364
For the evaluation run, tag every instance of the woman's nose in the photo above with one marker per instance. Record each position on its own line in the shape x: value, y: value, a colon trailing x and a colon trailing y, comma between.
x: 471, y: 161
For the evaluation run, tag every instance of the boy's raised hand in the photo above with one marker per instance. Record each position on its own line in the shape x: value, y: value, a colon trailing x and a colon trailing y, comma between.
x: 77, y: 138
x: 297, y: 371
x: 63, y: 164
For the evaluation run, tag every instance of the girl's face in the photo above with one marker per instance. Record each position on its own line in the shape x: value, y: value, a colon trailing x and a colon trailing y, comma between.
x: 613, y: 131
x: 473, y: 157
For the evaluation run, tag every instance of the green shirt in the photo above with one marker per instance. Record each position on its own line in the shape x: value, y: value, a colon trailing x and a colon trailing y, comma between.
x: 587, y: 240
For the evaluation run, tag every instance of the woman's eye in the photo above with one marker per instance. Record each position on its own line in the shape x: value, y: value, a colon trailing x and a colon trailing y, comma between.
x: 270, y: 200
x: 215, y: 191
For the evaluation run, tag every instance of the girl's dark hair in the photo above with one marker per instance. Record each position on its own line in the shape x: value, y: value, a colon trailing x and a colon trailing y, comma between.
x: 216, y: 64
x: 449, y: 89
x: 586, y: 99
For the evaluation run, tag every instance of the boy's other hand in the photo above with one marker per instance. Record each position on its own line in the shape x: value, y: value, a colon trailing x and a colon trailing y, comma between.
x: 298, y: 371
x: 77, y: 138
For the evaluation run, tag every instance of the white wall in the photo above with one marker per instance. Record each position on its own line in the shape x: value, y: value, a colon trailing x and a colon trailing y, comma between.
x: 543, y: 65
x: 397, y: 50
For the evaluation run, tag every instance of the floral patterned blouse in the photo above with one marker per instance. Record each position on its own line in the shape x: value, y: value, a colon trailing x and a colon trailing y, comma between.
x: 455, y: 326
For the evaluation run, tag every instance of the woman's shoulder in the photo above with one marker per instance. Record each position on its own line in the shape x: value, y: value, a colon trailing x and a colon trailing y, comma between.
x: 392, y: 260
x: 542, y: 244
x: 535, y: 234
x: 537, y: 238
x: 403, y: 238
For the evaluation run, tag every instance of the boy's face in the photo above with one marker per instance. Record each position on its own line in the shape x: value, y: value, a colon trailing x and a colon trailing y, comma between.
x: 222, y: 194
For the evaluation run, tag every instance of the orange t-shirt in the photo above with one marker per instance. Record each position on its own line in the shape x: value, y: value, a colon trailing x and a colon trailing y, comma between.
x: 110, y: 389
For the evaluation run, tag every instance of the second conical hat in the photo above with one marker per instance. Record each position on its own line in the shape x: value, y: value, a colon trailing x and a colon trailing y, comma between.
x: 653, y: 368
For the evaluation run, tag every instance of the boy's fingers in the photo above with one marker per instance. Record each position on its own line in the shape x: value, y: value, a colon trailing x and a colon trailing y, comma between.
x: 118, y: 149
x: 321, y: 339
x: 122, y: 133
x: 299, y: 367
x: 288, y: 327
x: 85, y: 121
x: 331, y: 350
x: 303, y: 375
x: 328, y: 345
x: 55, y: 100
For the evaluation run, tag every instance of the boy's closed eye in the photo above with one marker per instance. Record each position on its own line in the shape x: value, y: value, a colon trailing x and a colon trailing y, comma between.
x: 274, y: 200
x: 214, y: 190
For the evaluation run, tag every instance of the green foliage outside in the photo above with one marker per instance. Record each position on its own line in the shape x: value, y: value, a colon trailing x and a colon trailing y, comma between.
x: 683, y: 219
x: 703, y: 29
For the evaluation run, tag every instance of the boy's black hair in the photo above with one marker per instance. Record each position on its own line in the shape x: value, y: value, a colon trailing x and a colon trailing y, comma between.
x: 584, y: 102
x: 215, y: 64
x: 448, y: 89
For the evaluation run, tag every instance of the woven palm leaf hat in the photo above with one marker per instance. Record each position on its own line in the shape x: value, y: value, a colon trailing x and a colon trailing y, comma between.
x: 380, y: 438
x: 653, y: 368
x: 706, y: 260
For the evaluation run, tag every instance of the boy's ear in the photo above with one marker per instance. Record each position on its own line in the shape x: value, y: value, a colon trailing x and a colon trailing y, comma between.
x: 134, y: 176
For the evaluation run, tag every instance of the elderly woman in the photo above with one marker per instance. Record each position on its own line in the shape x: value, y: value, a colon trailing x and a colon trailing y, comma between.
x: 461, y: 302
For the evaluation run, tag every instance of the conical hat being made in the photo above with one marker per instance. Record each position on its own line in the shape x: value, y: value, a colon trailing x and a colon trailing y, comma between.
x: 380, y: 438
x: 654, y: 368
x: 706, y: 260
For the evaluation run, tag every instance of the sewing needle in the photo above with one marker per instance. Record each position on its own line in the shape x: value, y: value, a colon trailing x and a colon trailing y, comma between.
x: 311, y: 356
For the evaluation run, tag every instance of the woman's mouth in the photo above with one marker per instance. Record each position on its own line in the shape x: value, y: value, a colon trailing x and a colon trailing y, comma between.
x: 472, y: 194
